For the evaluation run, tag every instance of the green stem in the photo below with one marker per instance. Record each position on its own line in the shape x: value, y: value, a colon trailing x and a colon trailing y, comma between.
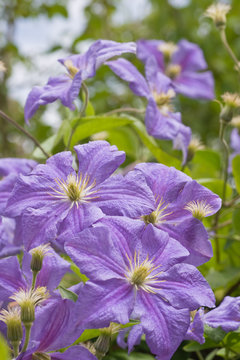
x: 34, y: 278
x: 25, y: 132
x: 27, y: 336
x: 15, y: 346
x: 84, y: 106
x: 228, y: 48
x: 199, y: 355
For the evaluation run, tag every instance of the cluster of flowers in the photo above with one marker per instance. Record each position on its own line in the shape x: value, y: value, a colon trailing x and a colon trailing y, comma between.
x: 137, y: 238
x: 169, y: 69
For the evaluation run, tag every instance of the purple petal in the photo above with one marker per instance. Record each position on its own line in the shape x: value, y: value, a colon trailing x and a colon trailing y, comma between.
x: 189, y: 56
x: 128, y: 72
x: 149, y: 48
x: 235, y: 141
x: 128, y: 196
x: 163, y: 325
x: 56, y: 88
x: 98, y: 160
x: 184, y: 286
x: 97, y: 265
x: 226, y: 315
x: 55, y: 325
x: 196, y: 329
x: 16, y: 166
x: 107, y: 301
x: 77, y: 352
x: 11, y: 279
x: 193, y: 236
x: 195, y: 85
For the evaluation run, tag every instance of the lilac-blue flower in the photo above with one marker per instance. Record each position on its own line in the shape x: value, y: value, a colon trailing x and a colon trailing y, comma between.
x: 8, y: 241
x: 138, y: 274
x: 161, y: 120
x: 183, y: 63
x: 55, y: 198
x: 180, y: 205
x: 79, y: 68
x: 13, y: 277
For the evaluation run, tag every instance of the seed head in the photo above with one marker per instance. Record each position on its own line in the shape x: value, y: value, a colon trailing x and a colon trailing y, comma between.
x: 38, y: 255
x: 217, y: 12
x: 12, y: 319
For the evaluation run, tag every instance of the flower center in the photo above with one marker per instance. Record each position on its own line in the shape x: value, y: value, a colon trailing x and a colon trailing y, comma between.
x: 168, y: 49
x: 76, y: 189
x: 140, y: 274
x: 173, y: 70
x: 158, y: 216
x: 199, y: 209
x: 163, y: 100
x: 71, y: 68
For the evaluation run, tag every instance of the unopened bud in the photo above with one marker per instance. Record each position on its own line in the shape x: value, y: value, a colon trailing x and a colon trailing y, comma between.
x: 28, y: 300
x: 217, y: 12
x: 38, y: 255
x: 232, y: 104
x: 12, y: 319
x: 194, y: 145
x: 102, y: 344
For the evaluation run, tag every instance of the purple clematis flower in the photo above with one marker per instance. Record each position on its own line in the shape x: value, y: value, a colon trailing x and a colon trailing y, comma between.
x: 13, y: 278
x: 55, y: 328
x: 55, y: 198
x: 196, y: 328
x: 180, y: 205
x: 182, y: 63
x: 235, y: 145
x: 161, y: 120
x: 80, y: 67
x: 141, y: 275
x: 10, y: 168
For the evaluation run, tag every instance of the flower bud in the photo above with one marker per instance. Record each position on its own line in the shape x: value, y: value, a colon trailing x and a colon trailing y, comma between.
x: 13, y: 321
x: 28, y: 300
x: 194, y: 145
x: 217, y: 12
x: 102, y: 344
x: 231, y: 104
x: 38, y: 255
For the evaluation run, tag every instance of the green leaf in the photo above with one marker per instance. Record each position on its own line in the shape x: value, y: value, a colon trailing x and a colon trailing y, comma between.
x: 63, y: 132
x: 47, y: 145
x: 195, y: 346
x: 215, y: 334
x: 122, y: 355
x: 232, y: 341
x: 236, y: 222
x: 125, y: 139
x: 4, y: 349
x: 94, y: 124
x: 90, y: 109
x: 206, y: 162
x: 236, y: 171
x: 67, y: 294
x: 150, y: 143
x: 216, y: 185
x: 77, y: 271
x: 218, y: 279
x: 88, y: 335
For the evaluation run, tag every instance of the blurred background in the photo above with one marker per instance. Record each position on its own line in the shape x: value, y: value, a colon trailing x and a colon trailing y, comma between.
x: 35, y: 33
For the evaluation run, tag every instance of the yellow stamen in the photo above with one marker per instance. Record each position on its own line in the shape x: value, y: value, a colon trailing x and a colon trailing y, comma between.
x: 139, y: 273
x: 173, y: 70
x: 199, y: 209
x: 159, y: 215
x: 76, y: 189
x: 71, y: 68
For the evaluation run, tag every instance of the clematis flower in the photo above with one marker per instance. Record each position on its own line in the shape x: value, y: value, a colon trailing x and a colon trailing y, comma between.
x: 10, y: 168
x: 141, y: 275
x: 196, y: 328
x: 182, y: 63
x: 13, y: 277
x: 180, y: 206
x: 161, y: 120
x: 55, y: 198
x: 79, y: 68
x: 235, y: 145
x: 55, y: 328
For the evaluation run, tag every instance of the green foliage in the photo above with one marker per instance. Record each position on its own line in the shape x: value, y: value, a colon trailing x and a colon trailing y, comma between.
x: 4, y: 349
x: 67, y: 294
x: 236, y: 171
